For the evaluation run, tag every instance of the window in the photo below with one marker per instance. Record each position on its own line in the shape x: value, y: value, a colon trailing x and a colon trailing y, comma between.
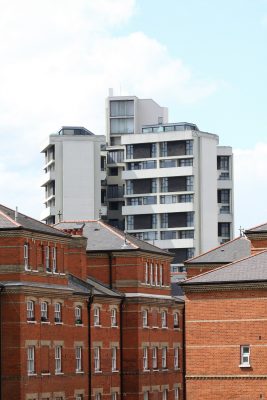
x: 176, y: 358
x: 98, y: 396
x: 113, y: 317
x: 47, y: 261
x: 146, y: 395
x: 153, y: 149
x: 165, y: 394
x: 224, y: 229
x: 121, y: 125
x: 161, y: 275
x: 164, y: 358
x: 176, y: 320
x: 97, y: 359
x: 96, y: 316
x: 129, y: 187
x: 145, y: 318
x: 129, y: 151
x: 121, y: 108
x: 154, y: 186
x: 130, y: 222
x: 114, y: 396
x: 78, y: 357
x: 79, y: 397
x: 154, y: 357
x: 145, y: 358
x: 186, y: 162
x: 190, y: 183
x: 54, y: 259
x: 156, y: 275
x: 78, y: 315
x: 164, y: 220
x: 164, y: 319
x: 164, y: 184
x: 190, y: 219
x: 113, y: 171
x: 31, y: 360
x: 58, y: 314
x: 114, y: 359
x: 245, y: 356
x: 44, y: 311
x: 223, y: 163
x: 151, y: 275
x: 30, y: 311
x: 189, y: 147
x: 146, y: 273
x: 115, y: 157
x: 224, y: 196
x: 176, y: 393
x: 163, y: 149
x: 58, y: 363
x: 26, y: 256
x: 154, y: 221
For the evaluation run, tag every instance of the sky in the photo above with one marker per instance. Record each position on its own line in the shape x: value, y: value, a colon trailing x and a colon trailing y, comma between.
x: 204, y: 60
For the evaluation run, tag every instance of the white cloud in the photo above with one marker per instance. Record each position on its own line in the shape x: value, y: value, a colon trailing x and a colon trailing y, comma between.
x: 250, y: 175
x: 57, y: 60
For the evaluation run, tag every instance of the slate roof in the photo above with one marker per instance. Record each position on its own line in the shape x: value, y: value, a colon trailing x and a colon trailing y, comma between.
x: 258, y: 228
x: 7, y: 221
x: 249, y: 269
x: 91, y: 286
x: 228, y: 252
x: 103, y: 237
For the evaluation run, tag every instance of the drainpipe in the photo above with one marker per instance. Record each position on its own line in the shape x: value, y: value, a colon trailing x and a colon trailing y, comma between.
x: 1, y: 290
x: 89, y: 304
x: 184, y: 356
x: 121, y: 348
x: 110, y: 269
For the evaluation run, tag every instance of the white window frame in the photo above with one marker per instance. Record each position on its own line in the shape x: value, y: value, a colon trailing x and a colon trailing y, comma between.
x: 146, y: 274
x: 44, y: 311
x: 114, y: 396
x: 97, y: 316
x: 155, y: 357
x: 156, y: 275
x: 164, y: 358
x: 176, y: 358
x: 244, y: 355
x: 79, y: 397
x: 30, y: 310
x: 26, y: 256
x: 151, y: 275
x: 78, y: 357
x: 145, y: 318
x: 78, y: 315
x: 164, y: 319
x: 161, y: 275
x: 98, y: 396
x: 58, y: 313
x: 145, y: 358
x: 97, y: 363
x: 176, y: 393
x: 58, y: 359
x: 31, y: 360
x: 165, y: 394
x: 146, y: 395
x: 114, y: 359
x: 54, y: 259
x: 176, y: 319
x: 113, y: 317
x: 47, y: 259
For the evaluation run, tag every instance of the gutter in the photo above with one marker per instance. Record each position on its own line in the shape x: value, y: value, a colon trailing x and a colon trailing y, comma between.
x: 89, y: 304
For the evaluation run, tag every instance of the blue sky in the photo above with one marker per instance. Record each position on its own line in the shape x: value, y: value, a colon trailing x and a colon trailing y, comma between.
x: 204, y: 60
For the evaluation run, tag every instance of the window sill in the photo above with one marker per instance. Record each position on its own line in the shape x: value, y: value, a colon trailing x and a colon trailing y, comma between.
x: 45, y: 322
x: 244, y: 366
x: 155, y: 369
x: 98, y: 326
x: 98, y: 372
x: 79, y: 325
x: 79, y: 372
x: 45, y: 373
x: 155, y: 327
x: 114, y: 326
x: 164, y: 327
x: 31, y: 322
x: 146, y: 327
x: 59, y: 373
x: 115, y: 370
x: 32, y: 374
x: 58, y: 323
x: 146, y: 370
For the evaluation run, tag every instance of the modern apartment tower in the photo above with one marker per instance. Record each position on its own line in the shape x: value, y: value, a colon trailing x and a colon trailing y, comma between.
x: 74, y: 170
x: 170, y: 183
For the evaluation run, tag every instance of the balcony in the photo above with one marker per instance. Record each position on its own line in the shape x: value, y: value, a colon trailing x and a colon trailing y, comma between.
x: 49, y: 176
x: 47, y: 212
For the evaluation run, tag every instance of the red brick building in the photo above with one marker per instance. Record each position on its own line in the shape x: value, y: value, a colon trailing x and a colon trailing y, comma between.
x: 226, y: 323
x: 85, y: 314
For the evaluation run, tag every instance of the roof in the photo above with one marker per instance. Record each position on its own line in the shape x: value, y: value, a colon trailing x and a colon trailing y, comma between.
x: 176, y: 289
x: 228, y: 252
x: 249, y: 269
x: 103, y: 237
x: 91, y: 286
x: 8, y: 220
x: 257, y: 229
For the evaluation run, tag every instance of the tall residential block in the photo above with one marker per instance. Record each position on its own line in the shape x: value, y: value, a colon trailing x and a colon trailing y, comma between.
x: 74, y: 169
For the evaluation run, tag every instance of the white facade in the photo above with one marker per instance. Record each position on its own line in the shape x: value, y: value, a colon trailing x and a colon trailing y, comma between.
x: 73, y: 175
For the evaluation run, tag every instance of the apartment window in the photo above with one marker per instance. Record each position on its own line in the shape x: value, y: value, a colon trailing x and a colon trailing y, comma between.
x: 154, y: 186
x: 190, y: 183
x: 47, y: 261
x: 165, y: 394
x: 151, y: 275
x: 114, y: 358
x: 26, y: 256
x: 58, y: 312
x: 176, y: 320
x: 96, y: 316
x: 190, y: 252
x: 129, y: 187
x: 54, y: 259
x: 130, y: 222
x: 145, y: 358
x: 129, y: 151
x: 115, y: 157
x: 97, y: 359
x: 224, y: 196
x: 30, y: 310
x: 146, y: 273
x: 58, y: 359
x: 164, y: 358
x: 149, y: 200
x: 113, y: 171
x: 156, y: 275
x: 185, y: 198
x: 121, y: 125
x: 163, y: 149
x: 164, y: 220
x: 153, y: 149
x: 78, y: 357
x: 145, y: 318
x: 113, y: 317
x: 223, y: 163
x: 161, y: 275
x: 224, y: 229
x: 164, y: 184
x: 154, y: 221
x: 121, y: 108
x: 190, y: 219
x: 31, y: 360
x: 186, y: 162
x: 245, y: 356
x: 78, y: 315
x: 44, y: 311
x: 186, y: 234
x: 154, y: 357
x: 189, y: 147
x: 176, y: 358
x: 164, y: 319
x: 176, y: 393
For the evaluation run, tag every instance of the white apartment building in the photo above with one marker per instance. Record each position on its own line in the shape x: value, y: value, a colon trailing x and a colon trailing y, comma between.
x: 171, y: 183
x: 74, y: 169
